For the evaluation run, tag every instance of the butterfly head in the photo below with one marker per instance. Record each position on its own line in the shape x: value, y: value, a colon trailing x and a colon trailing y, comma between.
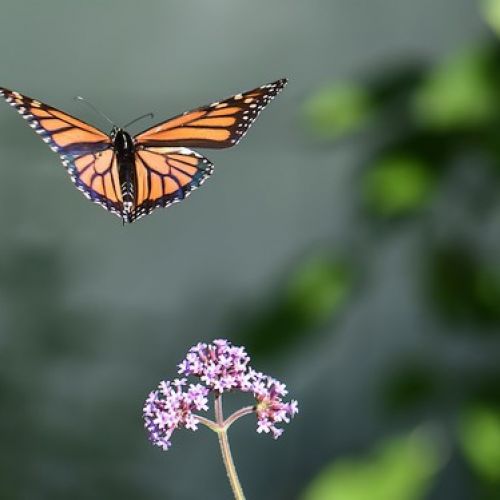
x: 114, y: 132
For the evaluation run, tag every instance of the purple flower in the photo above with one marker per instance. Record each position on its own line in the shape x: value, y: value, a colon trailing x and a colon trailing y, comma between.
x: 170, y: 408
x: 221, y: 368
x: 270, y: 408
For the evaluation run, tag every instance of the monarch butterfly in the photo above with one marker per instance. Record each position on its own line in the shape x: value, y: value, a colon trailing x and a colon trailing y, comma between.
x: 131, y: 176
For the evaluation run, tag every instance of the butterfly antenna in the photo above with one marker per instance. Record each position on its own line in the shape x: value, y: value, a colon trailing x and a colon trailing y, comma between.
x: 151, y: 115
x: 91, y: 106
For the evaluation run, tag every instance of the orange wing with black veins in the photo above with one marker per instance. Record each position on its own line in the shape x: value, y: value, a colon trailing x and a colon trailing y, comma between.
x: 222, y: 124
x: 85, y: 151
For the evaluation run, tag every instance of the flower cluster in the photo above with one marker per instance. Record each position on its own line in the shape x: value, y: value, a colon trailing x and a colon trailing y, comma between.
x: 170, y: 407
x: 270, y: 407
x: 219, y: 365
x: 221, y: 368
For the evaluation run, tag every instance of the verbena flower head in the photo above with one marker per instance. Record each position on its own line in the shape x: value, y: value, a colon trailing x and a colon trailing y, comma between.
x: 221, y: 368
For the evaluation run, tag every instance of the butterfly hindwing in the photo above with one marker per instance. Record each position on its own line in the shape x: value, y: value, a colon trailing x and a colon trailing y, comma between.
x: 96, y: 175
x: 220, y: 125
x: 165, y: 176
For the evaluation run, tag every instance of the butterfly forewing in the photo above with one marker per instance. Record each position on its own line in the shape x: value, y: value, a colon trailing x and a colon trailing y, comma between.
x: 64, y: 133
x: 222, y: 124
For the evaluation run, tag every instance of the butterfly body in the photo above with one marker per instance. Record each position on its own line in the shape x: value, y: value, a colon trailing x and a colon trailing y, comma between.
x: 130, y: 176
x: 124, y: 149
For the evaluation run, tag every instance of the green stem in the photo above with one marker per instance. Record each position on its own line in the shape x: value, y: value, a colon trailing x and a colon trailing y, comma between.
x: 226, y: 451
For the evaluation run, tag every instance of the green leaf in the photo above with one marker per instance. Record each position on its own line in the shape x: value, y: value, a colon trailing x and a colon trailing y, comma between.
x: 397, y: 185
x: 460, y: 93
x: 491, y: 12
x: 337, y: 110
x: 480, y: 438
x: 400, y: 469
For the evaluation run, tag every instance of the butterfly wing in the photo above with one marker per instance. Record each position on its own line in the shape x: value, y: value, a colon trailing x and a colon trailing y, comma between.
x: 166, y: 175
x: 96, y: 176
x: 220, y: 125
x: 64, y: 134
x: 85, y: 151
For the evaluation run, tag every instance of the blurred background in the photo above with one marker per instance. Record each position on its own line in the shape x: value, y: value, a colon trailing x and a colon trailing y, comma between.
x: 351, y: 242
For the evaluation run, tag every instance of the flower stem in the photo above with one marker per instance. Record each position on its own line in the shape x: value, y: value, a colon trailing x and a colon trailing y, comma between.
x: 238, y: 414
x: 226, y: 451
x: 208, y: 423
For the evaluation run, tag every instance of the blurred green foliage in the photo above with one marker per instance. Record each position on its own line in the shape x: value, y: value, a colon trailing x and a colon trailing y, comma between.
x: 397, y: 185
x: 337, y: 109
x: 317, y: 288
x: 479, y: 433
x: 433, y: 132
x: 411, y: 384
x: 463, y: 287
x: 460, y: 93
x: 420, y: 120
x: 314, y: 292
x: 401, y: 468
x: 491, y: 13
